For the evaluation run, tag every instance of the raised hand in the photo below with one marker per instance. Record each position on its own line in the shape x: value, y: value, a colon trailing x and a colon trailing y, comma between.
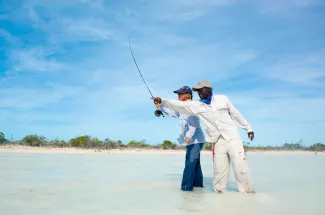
x: 251, y: 135
x: 156, y: 100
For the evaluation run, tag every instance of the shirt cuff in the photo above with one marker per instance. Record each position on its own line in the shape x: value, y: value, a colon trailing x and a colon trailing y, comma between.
x: 163, y: 101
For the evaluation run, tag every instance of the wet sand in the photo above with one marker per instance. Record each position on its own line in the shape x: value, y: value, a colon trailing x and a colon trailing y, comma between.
x: 29, y: 149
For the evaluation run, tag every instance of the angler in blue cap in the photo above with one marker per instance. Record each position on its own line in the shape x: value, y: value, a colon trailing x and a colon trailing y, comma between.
x: 191, y: 135
x: 220, y: 120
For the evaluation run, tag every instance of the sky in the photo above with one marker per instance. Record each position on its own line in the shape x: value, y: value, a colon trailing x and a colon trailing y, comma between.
x: 66, y: 69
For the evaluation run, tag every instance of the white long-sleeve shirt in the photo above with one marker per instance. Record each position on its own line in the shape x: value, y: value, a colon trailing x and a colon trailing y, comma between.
x: 218, y: 118
x: 189, y: 125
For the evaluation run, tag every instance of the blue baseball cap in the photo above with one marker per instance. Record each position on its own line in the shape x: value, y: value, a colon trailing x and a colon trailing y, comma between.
x: 184, y: 89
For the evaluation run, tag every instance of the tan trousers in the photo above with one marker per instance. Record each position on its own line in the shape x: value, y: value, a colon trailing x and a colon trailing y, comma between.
x: 224, y: 152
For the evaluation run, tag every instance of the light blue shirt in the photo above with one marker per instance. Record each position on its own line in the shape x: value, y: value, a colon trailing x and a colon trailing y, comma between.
x: 189, y: 125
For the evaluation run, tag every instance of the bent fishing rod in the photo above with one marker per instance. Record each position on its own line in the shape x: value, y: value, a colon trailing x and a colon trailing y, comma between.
x: 158, y: 112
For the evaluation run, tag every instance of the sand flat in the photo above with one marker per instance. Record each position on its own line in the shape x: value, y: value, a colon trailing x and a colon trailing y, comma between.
x: 29, y: 149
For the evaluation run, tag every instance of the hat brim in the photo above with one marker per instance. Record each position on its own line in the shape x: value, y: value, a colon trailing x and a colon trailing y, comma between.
x: 179, y: 92
x: 197, y: 87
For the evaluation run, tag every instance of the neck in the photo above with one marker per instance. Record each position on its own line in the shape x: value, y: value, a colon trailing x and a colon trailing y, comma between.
x: 207, y: 100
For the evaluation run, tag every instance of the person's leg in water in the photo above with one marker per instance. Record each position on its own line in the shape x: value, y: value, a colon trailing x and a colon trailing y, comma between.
x: 186, y: 171
x: 198, y: 181
x: 192, y: 158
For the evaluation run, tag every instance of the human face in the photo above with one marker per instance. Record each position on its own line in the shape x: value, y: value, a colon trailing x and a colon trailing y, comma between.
x: 204, y: 93
x: 183, y: 96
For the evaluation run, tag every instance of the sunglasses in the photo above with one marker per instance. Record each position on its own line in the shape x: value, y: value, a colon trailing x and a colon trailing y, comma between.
x: 201, y: 90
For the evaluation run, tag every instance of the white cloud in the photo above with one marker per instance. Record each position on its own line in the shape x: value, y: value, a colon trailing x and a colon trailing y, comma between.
x: 33, y: 60
x: 303, y: 70
x: 278, y: 116
x: 96, y: 4
x: 267, y: 7
x: 184, y: 15
x: 54, y: 5
x: 262, y: 105
x: 88, y: 30
x: 35, y: 18
x: 196, y: 3
x: 29, y: 98
x: 299, y: 75
x: 62, y: 27
x: 187, y: 10
x: 172, y: 59
x: 11, y: 40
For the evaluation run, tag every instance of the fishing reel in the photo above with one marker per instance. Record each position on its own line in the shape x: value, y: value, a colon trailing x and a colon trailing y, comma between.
x: 158, y: 113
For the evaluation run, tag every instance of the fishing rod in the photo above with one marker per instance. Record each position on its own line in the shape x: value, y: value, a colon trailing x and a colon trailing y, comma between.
x: 158, y: 112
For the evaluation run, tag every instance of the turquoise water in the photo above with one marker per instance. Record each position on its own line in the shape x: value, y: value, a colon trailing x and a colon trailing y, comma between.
x: 67, y: 184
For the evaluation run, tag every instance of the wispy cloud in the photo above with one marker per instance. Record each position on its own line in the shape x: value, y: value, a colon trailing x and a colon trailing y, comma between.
x: 27, y: 98
x: 10, y: 40
x: 280, y: 6
x: 187, y: 10
x: 184, y: 15
x: 84, y: 30
x: 34, y: 60
x: 305, y: 70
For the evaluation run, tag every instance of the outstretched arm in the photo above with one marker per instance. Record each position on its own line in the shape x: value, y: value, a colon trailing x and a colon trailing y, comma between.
x: 179, y: 106
x: 238, y: 117
x: 168, y: 111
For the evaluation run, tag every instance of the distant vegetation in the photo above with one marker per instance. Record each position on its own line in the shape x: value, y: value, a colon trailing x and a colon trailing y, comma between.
x: 288, y: 146
x: 89, y: 142
x: 86, y: 142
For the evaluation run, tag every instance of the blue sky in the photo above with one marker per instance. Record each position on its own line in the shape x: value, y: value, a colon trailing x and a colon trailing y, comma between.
x: 66, y: 68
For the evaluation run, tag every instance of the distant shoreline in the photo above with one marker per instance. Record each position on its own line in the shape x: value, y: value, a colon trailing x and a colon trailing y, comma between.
x: 30, y: 149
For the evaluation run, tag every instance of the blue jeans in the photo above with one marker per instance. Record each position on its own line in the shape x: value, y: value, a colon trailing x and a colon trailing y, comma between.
x: 192, y: 175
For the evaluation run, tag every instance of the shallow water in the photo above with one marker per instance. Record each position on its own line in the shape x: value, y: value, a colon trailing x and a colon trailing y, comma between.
x: 66, y: 184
